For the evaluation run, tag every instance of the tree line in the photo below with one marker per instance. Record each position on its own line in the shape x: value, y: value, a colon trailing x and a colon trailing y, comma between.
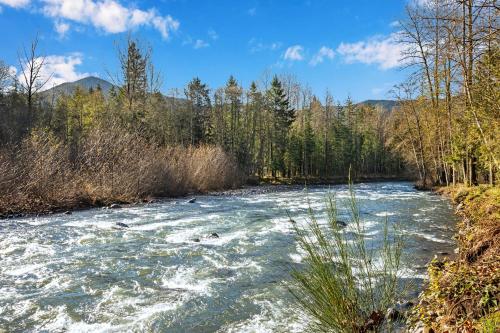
x: 274, y: 128
x: 448, y: 122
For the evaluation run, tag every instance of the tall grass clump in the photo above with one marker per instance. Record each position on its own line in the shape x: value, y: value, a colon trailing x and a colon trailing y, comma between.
x: 346, y: 283
x: 107, y: 165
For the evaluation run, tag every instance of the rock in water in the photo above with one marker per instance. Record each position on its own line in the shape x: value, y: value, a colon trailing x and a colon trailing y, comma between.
x: 115, y: 206
x: 193, y: 200
x: 68, y: 212
x: 214, y: 235
x: 196, y: 240
x: 341, y: 224
x: 121, y: 224
x: 392, y: 314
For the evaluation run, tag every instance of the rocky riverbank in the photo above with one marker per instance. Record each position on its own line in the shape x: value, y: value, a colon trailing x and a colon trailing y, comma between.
x: 36, y: 207
x: 463, y: 294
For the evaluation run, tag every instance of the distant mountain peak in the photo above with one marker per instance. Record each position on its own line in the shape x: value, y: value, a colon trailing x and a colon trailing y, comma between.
x: 86, y: 83
x: 387, y: 104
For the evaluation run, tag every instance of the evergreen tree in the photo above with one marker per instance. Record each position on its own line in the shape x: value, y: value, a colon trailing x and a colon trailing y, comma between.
x: 198, y: 96
x: 283, y: 116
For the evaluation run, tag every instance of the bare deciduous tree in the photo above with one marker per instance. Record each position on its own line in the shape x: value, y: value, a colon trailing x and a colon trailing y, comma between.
x: 32, y: 79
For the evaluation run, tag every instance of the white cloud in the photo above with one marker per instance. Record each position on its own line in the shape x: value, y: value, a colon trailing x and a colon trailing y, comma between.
x: 213, y: 34
x: 256, y: 45
x: 108, y: 15
x: 58, y: 69
x: 15, y: 3
x: 199, y: 44
x: 294, y: 53
x: 324, y: 52
x: 384, y: 51
x: 421, y: 3
x: 61, y: 28
x: 12, y: 71
x: 394, y: 24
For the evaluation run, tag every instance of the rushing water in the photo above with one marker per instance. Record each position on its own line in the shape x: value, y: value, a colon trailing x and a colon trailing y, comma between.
x: 80, y: 273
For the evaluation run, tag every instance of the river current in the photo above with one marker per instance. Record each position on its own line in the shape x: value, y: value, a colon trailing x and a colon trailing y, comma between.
x: 166, y: 272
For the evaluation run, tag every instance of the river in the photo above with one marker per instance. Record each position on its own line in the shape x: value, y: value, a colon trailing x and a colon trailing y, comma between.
x: 166, y: 273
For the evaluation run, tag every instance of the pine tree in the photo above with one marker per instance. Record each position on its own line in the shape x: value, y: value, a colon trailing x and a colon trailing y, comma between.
x: 197, y: 94
x: 283, y: 116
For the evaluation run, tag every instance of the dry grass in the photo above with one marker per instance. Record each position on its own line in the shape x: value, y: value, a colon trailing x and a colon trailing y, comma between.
x: 109, y: 165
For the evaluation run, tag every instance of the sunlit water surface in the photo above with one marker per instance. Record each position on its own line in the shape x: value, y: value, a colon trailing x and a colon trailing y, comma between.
x: 79, y: 273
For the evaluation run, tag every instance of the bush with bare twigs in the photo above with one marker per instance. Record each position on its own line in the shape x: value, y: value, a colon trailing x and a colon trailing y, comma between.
x: 108, y: 165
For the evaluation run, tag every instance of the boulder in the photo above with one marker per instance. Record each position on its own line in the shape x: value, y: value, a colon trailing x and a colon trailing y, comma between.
x: 115, y: 206
x: 67, y: 212
x: 196, y: 240
x: 121, y: 224
x: 214, y: 235
x: 193, y: 200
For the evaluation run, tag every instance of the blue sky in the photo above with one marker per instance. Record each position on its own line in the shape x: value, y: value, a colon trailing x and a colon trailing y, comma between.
x: 346, y: 46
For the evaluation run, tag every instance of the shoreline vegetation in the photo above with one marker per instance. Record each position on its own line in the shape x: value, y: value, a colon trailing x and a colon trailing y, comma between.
x: 463, y: 293
x: 80, y: 192
x: 113, y: 166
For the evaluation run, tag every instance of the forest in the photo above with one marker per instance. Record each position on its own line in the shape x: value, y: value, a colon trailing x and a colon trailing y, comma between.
x: 274, y: 129
x: 443, y: 129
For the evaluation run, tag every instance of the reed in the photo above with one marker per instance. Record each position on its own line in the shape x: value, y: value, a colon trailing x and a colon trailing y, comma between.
x: 346, y: 284
x: 108, y: 165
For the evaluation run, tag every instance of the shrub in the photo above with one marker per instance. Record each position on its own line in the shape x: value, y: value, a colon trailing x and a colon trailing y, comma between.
x: 346, y: 286
x: 107, y: 165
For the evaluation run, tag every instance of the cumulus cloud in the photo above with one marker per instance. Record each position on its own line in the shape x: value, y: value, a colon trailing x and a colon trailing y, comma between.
x: 324, y: 52
x: 61, y: 28
x: 109, y: 16
x: 12, y: 71
x: 383, y: 51
x: 15, y: 3
x: 200, y: 44
x: 294, y: 53
x: 58, y: 69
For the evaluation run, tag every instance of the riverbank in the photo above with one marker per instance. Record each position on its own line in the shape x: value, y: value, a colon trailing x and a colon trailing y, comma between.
x: 463, y: 295
x: 22, y: 206
x: 44, y: 175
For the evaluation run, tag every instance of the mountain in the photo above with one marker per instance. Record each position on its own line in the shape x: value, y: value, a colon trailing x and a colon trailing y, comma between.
x: 384, y: 103
x: 86, y: 83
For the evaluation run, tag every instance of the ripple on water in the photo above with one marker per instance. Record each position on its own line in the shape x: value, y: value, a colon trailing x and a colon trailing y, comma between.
x: 76, y: 273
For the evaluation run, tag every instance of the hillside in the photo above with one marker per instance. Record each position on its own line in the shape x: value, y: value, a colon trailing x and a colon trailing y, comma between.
x: 87, y: 83
x: 385, y: 103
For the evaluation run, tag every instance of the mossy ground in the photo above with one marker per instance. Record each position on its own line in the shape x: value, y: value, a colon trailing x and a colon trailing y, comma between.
x: 463, y: 295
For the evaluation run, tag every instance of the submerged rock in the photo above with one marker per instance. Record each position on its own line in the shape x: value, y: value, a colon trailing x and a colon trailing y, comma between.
x: 193, y: 200
x: 214, y: 235
x: 121, y: 224
x: 341, y: 224
x: 196, y: 240
x: 115, y: 206
x: 67, y: 212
